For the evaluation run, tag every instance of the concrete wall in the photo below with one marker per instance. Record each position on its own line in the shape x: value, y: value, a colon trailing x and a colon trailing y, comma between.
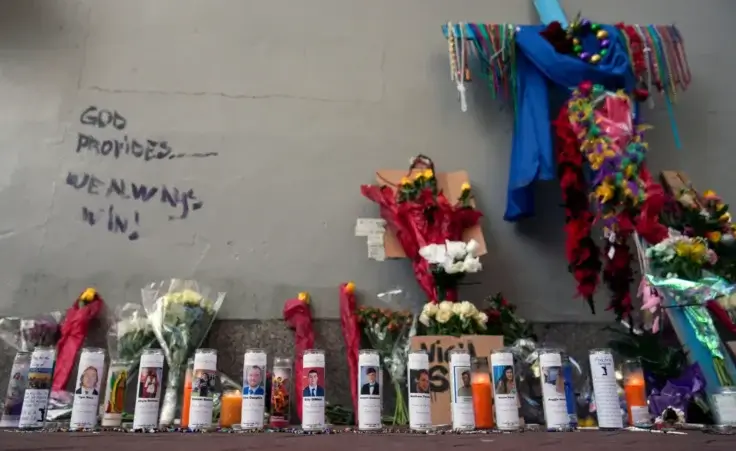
x: 276, y: 111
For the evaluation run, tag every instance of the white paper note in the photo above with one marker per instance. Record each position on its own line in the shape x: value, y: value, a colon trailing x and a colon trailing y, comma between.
x: 368, y: 226
x: 376, y: 252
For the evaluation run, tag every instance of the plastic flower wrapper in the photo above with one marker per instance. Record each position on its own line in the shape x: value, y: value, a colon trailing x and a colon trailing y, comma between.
x: 130, y: 334
x: 24, y: 334
x: 180, y: 313
x: 298, y: 316
x: 389, y: 332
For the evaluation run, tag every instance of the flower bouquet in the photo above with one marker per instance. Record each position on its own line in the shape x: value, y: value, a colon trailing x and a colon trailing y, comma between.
x: 678, y: 268
x: 130, y: 335
x: 449, y: 262
x: 503, y: 320
x: 419, y: 214
x: 389, y: 332
x: 24, y: 334
x: 452, y: 318
x: 180, y: 313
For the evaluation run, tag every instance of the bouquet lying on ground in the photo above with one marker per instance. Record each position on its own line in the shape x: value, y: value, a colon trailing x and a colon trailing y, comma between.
x: 389, y: 332
x: 451, y: 318
x: 420, y: 215
x: 181, y: 313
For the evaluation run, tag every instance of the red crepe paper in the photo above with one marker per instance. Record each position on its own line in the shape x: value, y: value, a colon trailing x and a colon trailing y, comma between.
x: 720, y: 314
x: 351, y: 334
x: 74, y: 330
x: 298, y: 316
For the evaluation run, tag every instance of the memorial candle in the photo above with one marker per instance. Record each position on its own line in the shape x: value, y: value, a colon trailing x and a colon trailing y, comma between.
x: 187, y: 395
x: 480, y: 384
x: 635, y: 391
x: 231, y: 406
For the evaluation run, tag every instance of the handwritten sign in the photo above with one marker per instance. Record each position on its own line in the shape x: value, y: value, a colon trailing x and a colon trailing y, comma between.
x: 438, y: 348
x: 179, y: 201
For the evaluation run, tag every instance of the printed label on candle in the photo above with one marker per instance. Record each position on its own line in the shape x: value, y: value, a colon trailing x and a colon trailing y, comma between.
x: 148, y: 393
x: 280, y: 396
x: 461, y: 392
x: 553, y: 390
x: 605, y: 390
x: 505, y: 395
x: 313, y: 391
x: 369, y: 389
x: 640, y: 415
x: 420, y: 403
x: 204, y: 382
x: 36, y: 397
x: 87, y: 392
x: 254, y: 390
x: 117, y: 379
x: 16, y: 391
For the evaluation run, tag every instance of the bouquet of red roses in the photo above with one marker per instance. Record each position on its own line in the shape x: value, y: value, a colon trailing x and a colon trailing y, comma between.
x: 423, y: 218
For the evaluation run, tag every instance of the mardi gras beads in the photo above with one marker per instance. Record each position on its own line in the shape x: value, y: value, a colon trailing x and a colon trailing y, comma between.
x: 582, y: 28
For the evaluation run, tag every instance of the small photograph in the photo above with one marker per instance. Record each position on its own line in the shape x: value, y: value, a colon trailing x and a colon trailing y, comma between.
x: 149, y: 382
x: 280, y: 392
x: 89, y: 382
x: 504, y: 382
x: 254, y: 381
x: 313, y: 382
x: 553, y: 376
x: 419, y: 382
x: 204, y: 383
x: 369, y: 384
x: 462, y: 382
x: 14, y: 398
x: 39, y: 380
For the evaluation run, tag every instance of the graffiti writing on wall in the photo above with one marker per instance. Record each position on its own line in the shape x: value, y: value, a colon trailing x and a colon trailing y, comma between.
x: 179, y: 202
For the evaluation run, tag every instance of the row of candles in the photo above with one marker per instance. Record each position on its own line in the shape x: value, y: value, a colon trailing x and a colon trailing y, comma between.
x: 483, y: 391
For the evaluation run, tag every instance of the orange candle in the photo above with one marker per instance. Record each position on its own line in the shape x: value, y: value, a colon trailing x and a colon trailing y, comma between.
x: 231, y: 405
x: 635, y: 392
x: 482, y: 400
x: 187, y: 395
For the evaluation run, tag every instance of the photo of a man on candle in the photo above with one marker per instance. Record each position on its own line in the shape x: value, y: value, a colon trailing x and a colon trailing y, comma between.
x: 254, y: 382
x: 419, y: 382
x: 88, y: 382
x: 462, y: 381
x: 313, y: 389
x: 505, y: 382
x: 369, y: 384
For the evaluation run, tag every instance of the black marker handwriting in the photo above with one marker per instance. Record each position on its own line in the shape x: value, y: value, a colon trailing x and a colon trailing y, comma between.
x: 102, y: 118
x: 146, y: 150
x: 116, y: 223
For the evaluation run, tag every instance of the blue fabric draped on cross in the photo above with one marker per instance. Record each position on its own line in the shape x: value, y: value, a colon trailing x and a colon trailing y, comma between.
x: 537, y: 66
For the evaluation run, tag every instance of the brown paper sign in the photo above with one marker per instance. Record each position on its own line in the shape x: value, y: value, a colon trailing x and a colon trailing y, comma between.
x: 438, y: 348
x: 450, y: 183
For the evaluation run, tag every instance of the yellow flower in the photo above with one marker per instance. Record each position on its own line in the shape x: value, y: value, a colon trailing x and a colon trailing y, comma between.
x: 725, y: 217
x: 714, y: 236
x: 604, y: 192
x: 190, y: 297
x: 428, y: 174
x: 709, y: 194
x: 465, y: 187
x: 698, y: 251
x: 683, y: 249
x: 596, y: 160
x: 350, y: 287
x: 405, y: 181
x: 88, y: 295
x: 303, y: 297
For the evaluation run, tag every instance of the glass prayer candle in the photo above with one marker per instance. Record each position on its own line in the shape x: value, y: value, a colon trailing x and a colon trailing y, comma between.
x: 231, y: 405
x: 480, y: 384
x: 281, y: 392
x: 187, y: 396
x: 635, y: 391
x: 724, y: 403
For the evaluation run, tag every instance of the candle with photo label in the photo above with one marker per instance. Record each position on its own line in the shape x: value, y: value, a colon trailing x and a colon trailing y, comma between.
x: 254, y: 389
x: 313, y: 390
x: 553, y: 389
x: 605, y: 389
x: 148, y: 389
x: 38, y: 388
x: 88, y: 386
x: 461, y: 393
x: 204, y: 383
x: 420, y: 401
x: 370, y: 386
x: 505, y: 393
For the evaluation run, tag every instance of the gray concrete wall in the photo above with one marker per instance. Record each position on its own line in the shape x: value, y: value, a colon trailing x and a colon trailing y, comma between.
x: 301, y: 102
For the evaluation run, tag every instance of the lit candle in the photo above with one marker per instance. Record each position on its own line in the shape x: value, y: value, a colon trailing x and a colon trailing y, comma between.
x: 230, y: 408
x: 635, y: 392
x: 480, y: 383
x: 187, y: 395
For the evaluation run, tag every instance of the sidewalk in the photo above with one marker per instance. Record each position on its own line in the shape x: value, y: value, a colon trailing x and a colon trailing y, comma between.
x: 571, y: 441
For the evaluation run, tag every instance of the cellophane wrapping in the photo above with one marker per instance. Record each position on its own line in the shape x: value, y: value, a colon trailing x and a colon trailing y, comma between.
x: 129, y: 335
x: 180, y: 313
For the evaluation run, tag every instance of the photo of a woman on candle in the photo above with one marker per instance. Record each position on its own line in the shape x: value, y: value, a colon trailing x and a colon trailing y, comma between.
x: 505, y: 384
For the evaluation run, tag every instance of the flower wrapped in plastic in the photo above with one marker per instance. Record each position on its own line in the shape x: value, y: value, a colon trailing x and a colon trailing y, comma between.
x: 389, y: 332
x: 24, y: 334
x: 180, y: 313
x: 130, y: 335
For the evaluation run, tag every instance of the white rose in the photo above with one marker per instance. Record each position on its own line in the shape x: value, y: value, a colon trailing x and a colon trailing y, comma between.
x: 457, y: 308
x: 467, y: 309
x: 481, y: 318
x: 445, y: 306
x: 451, y: 267
x: 472, y: 264
x: 430, y: 309
x: 456, y: 250
x: 434, y: 253
x: 443, y: 316
x: 472, y: 248
x: 424, y: 319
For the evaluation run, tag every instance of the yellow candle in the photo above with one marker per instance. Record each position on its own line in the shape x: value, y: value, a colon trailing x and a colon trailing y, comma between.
x: 231, y: 407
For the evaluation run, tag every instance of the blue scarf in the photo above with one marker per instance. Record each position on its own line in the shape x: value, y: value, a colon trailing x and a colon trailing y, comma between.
x: 537, y: 63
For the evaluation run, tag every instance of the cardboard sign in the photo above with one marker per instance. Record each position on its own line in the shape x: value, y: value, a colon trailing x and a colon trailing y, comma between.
x: 450, y: 183
x: 438, y: 348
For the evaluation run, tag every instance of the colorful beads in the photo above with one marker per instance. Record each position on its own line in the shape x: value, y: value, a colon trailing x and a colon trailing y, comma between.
x: 582, y: 28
